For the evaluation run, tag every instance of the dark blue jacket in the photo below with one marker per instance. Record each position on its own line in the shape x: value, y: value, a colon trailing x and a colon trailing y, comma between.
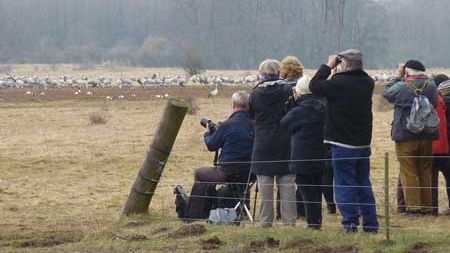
x: 402, y: 96
x: 235, y: 139
x: 306, y: 123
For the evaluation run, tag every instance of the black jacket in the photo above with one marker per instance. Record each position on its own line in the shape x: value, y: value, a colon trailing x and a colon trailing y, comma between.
x: 235, y: 139
x: 267, y: 107
x: 348, y: 118
x: 305, y: 123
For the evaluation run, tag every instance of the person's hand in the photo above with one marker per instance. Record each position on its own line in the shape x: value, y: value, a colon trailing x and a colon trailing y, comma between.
x: 332, y: 61
x: 401, y: 70
x: 295, y: 94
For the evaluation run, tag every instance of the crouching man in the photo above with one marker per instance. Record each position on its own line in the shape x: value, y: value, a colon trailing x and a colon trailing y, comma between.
x: 234, y: 139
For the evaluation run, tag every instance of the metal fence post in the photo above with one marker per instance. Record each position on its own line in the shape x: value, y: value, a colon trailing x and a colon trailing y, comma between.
x: 386, y: 196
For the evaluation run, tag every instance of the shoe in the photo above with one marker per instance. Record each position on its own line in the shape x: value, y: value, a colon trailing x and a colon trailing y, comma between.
x: 314, y: 226
x: 412, y: 214
x: 352, y: 228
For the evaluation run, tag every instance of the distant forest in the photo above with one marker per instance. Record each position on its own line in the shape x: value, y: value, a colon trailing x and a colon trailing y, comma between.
x: 222, y: 34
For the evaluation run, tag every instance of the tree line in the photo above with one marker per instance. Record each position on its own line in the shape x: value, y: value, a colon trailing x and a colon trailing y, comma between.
x: 231, y: 34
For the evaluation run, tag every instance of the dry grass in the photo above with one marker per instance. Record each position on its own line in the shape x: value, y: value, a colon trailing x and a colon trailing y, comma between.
x: 98, y: 117
x: 63, y: 180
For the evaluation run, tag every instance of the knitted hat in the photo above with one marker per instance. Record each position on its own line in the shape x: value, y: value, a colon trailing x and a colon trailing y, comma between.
x: 444, y: 88
x: 302, y: 86
x: 414, y: 64
x: 351, y: 54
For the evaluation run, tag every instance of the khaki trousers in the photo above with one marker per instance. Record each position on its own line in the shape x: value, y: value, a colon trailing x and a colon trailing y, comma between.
x: 416, y: 162
x: 287, y: 189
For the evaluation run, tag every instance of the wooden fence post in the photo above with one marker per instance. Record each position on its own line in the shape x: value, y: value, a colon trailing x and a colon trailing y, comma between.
x: 157, y: 154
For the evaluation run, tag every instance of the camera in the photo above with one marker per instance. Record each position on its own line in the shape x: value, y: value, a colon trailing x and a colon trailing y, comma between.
x: 212, y: 126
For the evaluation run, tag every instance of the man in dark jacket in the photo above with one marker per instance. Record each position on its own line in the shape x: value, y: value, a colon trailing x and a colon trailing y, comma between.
x: 234, y: 138
x: 414, y: 150
x: 348, y: 128
x: 305, y: 123
x: 271, y: 148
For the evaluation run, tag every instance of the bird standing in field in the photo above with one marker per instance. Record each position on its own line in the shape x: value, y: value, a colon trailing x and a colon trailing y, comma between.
x: 213, y: 93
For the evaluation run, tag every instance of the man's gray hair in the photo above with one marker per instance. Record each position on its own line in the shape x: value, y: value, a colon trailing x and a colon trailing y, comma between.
x: 352, y: 64
x: 240, y: 99
x: 414, y: 72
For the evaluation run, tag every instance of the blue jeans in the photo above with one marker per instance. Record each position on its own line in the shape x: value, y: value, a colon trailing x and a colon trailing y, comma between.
x: 354, y: 201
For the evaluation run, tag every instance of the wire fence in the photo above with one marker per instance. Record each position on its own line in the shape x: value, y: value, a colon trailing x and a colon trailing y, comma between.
x: 382, y: 187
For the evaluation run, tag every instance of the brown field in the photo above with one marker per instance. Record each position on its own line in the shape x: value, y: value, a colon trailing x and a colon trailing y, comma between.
x: 64, y: 181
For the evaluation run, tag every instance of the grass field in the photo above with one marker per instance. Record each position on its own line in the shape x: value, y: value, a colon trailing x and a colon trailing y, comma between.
x: 63, y: 182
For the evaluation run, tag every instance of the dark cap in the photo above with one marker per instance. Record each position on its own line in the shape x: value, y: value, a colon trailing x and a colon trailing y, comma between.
x: 440, y: 78
x: 414, y: 64
x: 351, y: 54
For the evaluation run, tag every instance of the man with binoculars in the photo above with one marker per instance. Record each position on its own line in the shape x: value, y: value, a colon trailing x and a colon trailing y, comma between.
x: 234, y: 139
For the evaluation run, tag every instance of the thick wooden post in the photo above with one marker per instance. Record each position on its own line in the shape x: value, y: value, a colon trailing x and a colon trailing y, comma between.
x: 157, y: 154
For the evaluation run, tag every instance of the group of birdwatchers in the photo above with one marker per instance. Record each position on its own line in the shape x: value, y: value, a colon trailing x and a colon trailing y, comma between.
x: 312, y: 136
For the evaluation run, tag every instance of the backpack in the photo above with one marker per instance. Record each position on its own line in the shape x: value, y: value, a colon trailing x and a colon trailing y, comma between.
x: 423, y: 117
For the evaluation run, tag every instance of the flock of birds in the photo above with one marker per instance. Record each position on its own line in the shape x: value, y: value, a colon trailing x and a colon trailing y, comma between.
x: 154, y: 80
x: 36, y: 86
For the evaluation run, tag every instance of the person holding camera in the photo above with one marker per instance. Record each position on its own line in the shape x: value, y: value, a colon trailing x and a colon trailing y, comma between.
x: 271, y: 149
x: 348, y: 128
x: 305, y: 123
x: 234, y: 139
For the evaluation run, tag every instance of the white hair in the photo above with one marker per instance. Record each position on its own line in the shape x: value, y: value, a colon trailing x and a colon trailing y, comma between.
x: 413, y: 72
x: 240, y: 99
x: 302, y: 86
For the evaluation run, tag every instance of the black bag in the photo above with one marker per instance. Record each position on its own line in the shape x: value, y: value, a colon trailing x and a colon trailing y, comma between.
x: 181, y: 201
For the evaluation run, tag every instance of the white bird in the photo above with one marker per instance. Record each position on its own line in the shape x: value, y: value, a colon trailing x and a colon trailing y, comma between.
x: 214, y: 92
x: 42, y: 94
x: 89, y: 93
x: 109, y: 97
x: 166, y: 95
x: 29, y: 93
x: 121, y: 97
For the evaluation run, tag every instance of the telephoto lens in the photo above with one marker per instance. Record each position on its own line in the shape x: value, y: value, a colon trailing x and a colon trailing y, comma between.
x: 205, y: 121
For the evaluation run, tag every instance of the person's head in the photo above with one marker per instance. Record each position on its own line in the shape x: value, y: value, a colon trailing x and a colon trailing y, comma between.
x: 302, y: 87
x: 291, y: 68
x: 414, y: 68
x: 239, y: 100
x: 351, y: 59
x: 269, y: 68
x: 440, y: 78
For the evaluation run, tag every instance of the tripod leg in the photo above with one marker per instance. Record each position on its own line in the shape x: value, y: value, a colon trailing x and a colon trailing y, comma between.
x: 254, y: 203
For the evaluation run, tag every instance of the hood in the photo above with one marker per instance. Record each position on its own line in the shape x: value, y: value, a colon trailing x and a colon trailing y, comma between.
x: 271, y: 92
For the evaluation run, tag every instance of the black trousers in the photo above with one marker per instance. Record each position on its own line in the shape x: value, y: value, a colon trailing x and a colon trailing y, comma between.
x: 204, y: 195
x: 312, y: 197
x: 204, y: 191
x: 326, y: 189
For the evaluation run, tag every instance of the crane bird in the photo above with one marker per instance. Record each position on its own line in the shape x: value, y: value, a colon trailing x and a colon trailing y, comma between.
x: 213, y: 93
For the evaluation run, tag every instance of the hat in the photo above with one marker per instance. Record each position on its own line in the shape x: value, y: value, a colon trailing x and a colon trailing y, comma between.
x: 440, y: 78
x: 444, y: 88
x: 414, y: 64
x: 302, y: 86
x: 351, y: 54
